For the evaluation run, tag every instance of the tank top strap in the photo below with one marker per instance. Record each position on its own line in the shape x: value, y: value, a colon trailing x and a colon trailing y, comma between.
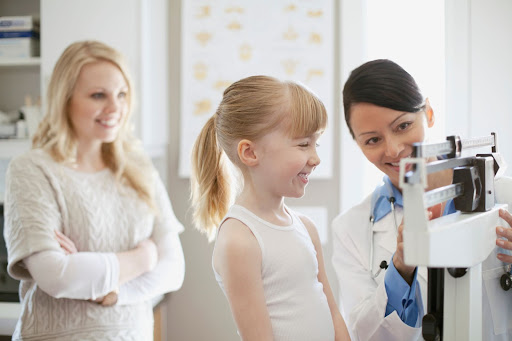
x: 297, y: 222
x: 246, y: 217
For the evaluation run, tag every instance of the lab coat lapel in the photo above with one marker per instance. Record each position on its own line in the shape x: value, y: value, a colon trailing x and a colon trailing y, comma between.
x: 385, y: 233
x: 385, y: 237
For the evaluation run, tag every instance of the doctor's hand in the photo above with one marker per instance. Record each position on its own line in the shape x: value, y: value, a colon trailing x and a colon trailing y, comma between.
x: 505, y: 232
x: 406, y: 271
x: 439, y: 179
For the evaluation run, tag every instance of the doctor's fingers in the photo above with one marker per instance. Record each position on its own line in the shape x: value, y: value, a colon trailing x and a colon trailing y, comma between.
x: 400, y: 250
x: 504, y: 232
x: 504, y: 243
x: 505, y: 215
x: 504, y: 258
x: 400, y: 237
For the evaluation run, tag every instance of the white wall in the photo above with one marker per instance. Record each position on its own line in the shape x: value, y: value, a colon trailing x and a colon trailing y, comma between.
x: 411, y: 33
x: 479, y: 70
x: 136, y: 28
x: 198, y: 311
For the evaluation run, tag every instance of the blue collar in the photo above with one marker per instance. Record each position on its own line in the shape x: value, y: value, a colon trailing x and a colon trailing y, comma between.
x: 381, y: 200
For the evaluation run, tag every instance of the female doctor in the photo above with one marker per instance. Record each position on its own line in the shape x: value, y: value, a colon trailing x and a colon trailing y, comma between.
x: 381, y: 297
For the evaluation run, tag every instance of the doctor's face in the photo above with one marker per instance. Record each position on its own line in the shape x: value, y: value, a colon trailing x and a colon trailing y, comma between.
x: 385, y: 136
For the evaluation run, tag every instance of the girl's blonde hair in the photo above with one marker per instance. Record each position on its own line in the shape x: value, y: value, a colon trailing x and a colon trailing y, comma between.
x: 55, y: 133
x: 250, y: 109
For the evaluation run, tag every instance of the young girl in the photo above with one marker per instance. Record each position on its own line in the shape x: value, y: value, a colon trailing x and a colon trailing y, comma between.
x: 267, y: 259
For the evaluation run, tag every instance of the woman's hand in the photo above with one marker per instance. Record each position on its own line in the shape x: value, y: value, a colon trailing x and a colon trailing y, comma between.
x: 150, y: 253
x: 137, y: 261
x: 439, y: 179
x: 69, y: 248
x: 406, y: 271
x: 65, y: 243
x: 435, y: 180
x: 436, y: 211
x: 108, y: 300
x: 132, y: 264
x: 505, y: 232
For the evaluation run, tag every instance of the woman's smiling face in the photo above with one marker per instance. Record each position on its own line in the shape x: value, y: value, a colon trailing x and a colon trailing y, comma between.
x: 385, y: 136
x: 98, y: 105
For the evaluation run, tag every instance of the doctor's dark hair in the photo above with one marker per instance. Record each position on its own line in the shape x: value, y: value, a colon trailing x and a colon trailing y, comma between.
x: 384, y: 83
x: 250, y: 109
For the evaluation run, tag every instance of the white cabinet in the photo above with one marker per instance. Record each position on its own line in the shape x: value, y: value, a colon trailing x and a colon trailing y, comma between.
x: 18, y: 77
x: 138, y: 29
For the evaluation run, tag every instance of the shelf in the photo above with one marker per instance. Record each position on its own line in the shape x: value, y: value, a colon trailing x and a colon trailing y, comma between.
x: 7, y: 63
x: 12, y: 147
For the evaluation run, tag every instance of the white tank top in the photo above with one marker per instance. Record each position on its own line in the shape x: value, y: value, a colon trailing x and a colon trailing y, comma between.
x: 295, y: 298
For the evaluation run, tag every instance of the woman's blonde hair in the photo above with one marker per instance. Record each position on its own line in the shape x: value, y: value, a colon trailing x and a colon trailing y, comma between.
x: 250, y: 109
x: 55, y: 133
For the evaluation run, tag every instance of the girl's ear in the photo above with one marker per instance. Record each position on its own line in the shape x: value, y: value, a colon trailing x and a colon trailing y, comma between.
x: 431, y: 119
x: 246, y: 153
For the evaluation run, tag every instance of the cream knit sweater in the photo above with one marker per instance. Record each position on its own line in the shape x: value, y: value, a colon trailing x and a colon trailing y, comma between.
x: 100, y: 217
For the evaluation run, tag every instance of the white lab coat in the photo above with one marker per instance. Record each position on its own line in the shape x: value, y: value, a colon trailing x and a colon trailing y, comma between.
x: 363, y: 299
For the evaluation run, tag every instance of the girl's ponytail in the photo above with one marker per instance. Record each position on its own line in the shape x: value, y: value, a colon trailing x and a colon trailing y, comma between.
x: 250, y: 108
x: 210, y: 181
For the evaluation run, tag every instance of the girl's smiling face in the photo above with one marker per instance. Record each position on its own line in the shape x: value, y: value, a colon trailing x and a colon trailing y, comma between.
x: 385, y: 136
x: 285, y: 163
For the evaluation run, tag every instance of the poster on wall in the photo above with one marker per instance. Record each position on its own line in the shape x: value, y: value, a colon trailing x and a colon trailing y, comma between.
x: 224, y: 41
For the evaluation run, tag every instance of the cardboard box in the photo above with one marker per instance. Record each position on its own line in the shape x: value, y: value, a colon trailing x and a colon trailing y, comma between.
x: 19, y: 37
x: 19, y: 23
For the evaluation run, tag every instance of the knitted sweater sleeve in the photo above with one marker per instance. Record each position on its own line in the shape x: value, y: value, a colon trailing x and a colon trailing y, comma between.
x: 169, y: 272
x: 34, y: 209
x: 32, y: 212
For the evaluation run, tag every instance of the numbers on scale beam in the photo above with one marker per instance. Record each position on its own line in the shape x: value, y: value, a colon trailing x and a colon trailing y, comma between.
x: 434, y: 149
x: 440, y: 195
x: 478, y: 142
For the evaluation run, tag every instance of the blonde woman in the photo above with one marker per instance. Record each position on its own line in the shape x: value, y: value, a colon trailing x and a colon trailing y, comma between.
x: 267, y: 259
x: 89, y: 228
